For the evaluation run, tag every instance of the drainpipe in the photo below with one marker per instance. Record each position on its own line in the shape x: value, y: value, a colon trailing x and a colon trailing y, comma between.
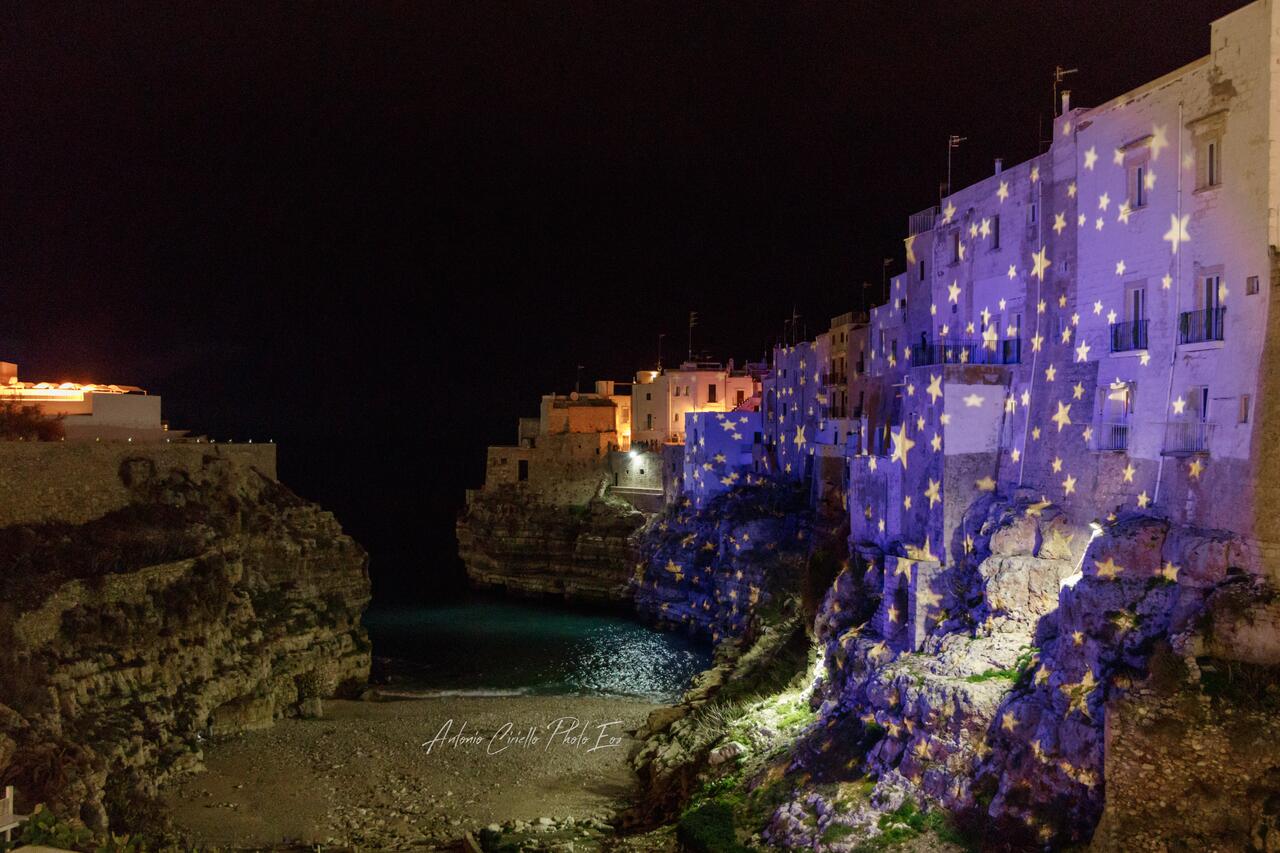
x: 1035, y: 356
x: 1177, y: 311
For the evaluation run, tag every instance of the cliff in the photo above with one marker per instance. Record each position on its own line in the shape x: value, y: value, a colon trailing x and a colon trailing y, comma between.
x: 511, y: 541
x: 210, y: 601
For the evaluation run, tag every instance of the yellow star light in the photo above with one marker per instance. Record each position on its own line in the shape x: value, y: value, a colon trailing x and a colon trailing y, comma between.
x: 901, y: 445
x: 906, y: 502
x: 973, y: 401
x: 1015, y: 454
x: 1059, y: 223
x: 1003, y: 192
x: 1063, y: 416
x: 1177, y: 233
x: 1035, y: 433
x: 986, y: 484
x: 1107, y: 569
x: 911, y: 250
x: 935, y: 387
x: 936, y: 442
x: 1090, y: 157
x: 1008, y: 721
x: 1087, y: 434
x: 1036, y: 341
x: 1143, y: 500
x: 1082, y: 351
x: 799, y: 437
x: 1077, y: 392
x: 1179, y: 405
x: 932, y: 492
x: 953, y: 292
x: 1104, y: 201
x: 1166, y: 282
x: 1120, y: 267
x: 1195, y: 469
x: 1050, y: 372
x: 1144, y: 358
x: 1035, y: 174
x: 1039, y: 264
x: 1124, y: 213
x: 1159, y: 140
x: 1013, y: 271
x: 1128, y: 472
x: 1117, y: 157
x: 1169, y: 572
x: 1057, y: 464
x: 985, y: 228
x: 948, y: 212
x: 1069, y: 484
x: 1071, y: 190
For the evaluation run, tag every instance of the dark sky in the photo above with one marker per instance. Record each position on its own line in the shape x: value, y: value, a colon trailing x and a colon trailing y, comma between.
x: 377, y: 232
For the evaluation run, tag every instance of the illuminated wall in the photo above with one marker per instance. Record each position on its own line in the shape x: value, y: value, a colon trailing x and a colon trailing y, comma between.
x: 719, y: 452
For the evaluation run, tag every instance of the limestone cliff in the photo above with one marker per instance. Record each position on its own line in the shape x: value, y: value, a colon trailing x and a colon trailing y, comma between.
x: 708, y: 569
x: 512, y: 541
x: 212, y: 603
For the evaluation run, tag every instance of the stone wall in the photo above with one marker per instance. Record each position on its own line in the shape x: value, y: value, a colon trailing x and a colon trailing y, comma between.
x: 78, y: 481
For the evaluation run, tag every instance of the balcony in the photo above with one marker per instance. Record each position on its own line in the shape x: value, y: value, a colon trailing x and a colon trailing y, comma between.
x: 1112, y: 436
x: 1129, y: 335
x: 960, y: 351
x: 1198, y: 326
x: 1185, y: 438
x: 922, y: 221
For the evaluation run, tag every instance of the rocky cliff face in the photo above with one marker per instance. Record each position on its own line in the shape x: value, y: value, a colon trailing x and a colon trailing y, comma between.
x: 710, y: 569
x: 215, y: 602
x: 527, y: 547
x: 1019, y: 711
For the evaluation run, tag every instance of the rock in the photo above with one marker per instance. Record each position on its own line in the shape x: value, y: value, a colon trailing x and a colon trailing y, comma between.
x: 241, y: 587
x: 660, y: 719
x: 724, y: 753
x: 311, y: 708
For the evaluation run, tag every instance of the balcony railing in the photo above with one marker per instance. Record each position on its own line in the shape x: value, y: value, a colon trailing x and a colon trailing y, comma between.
x: 1129, y: 335
x: 922, y: 221
x: 960, y: 351
x: 1187, y: 437
x: 1197, y: 326
x: 1111, y: 436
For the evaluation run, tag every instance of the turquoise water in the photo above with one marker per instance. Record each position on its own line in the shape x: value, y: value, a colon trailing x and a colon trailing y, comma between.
x: 481, y: 645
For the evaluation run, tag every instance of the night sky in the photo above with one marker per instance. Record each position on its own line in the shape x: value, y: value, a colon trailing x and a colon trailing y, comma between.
x: 376, y: 233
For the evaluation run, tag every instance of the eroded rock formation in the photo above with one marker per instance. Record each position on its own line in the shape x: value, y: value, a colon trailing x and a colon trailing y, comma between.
x: 215, y: 602
x: 514, y: 542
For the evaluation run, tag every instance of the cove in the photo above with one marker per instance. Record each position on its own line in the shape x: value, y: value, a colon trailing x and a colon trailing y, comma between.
x: 478, y: 644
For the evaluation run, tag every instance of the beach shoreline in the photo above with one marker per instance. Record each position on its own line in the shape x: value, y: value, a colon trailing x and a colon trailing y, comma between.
x: 405, y: 773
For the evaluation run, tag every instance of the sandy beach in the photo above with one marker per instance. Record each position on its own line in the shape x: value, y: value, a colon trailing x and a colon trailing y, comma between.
x: 390, y: 774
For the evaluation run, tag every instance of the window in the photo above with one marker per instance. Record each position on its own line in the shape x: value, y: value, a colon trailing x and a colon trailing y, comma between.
x: 922, y: 270
x: 648, y: 395
x: 648, y: 421
x: 522, y: 470
x: 1138, y: 184
x: 711, y: 393
x: 741, y: 397
x: 1251, y: 286
x: 676, y: 392
x: 1244, y: 408
x: 1031, y: 214
x: 1198, y: 402
x: 1135, y: 301
x: 1210, y: 291
x: 995, y: 232
x: 955, y: 247
x: 1208, y: 160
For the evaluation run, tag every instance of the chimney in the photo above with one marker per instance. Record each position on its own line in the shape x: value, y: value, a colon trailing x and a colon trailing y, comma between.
x: 1066, y: 101
x: 999, y: 165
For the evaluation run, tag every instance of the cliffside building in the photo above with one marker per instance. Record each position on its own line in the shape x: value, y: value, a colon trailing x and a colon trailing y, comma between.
x: 89, y: 412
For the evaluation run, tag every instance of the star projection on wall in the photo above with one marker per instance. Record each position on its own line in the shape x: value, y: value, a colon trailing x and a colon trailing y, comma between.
x: 1090, y: 157
x: 901, y: 445
x: 1040, y: 264
x: 1177, y: 233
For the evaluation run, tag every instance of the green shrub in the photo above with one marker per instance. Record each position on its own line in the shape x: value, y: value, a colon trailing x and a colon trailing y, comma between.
x: 709, y: 828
